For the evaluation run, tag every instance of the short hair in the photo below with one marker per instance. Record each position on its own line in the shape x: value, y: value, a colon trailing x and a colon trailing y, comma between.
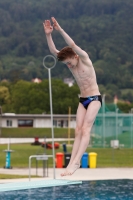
x: 66, y: 52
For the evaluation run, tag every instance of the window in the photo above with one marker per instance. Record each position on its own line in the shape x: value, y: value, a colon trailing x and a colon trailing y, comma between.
x: 25, y: 123
x: 54, y: 123
x: 60, y: 123
x: 8, y: 123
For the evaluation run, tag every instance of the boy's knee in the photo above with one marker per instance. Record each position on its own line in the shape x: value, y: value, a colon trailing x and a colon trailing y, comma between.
x: 78, y: 131
x: 86, y: 130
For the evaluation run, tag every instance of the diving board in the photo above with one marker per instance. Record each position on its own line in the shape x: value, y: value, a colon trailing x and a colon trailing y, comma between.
x: 35, y: 184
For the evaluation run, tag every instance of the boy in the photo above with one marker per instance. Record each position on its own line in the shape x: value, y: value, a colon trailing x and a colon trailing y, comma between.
x: 90, y: 99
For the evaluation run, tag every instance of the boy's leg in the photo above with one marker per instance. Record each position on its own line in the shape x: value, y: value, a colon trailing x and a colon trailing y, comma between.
x: 89, y: 119
x: 81, y: 111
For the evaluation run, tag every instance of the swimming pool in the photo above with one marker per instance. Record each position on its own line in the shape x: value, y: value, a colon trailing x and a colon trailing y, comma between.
x: 88, y: 190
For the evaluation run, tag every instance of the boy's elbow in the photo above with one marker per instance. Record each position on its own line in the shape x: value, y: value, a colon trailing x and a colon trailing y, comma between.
x: 54, y: 53
x: 72, y: 45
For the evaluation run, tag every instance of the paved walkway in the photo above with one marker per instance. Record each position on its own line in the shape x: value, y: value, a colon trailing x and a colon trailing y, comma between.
x: 29, y: 140
x: 80, y: 174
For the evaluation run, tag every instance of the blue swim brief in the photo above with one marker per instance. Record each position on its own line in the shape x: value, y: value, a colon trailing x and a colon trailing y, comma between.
x: 87, y: 100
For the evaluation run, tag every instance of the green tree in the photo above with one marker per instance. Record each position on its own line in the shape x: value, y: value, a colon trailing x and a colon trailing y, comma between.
x: 20, y: 94
x: 4, y: 95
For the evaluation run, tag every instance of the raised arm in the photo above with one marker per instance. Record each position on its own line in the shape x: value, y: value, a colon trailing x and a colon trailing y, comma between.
x: 68, y: 40
x: 48, y: 30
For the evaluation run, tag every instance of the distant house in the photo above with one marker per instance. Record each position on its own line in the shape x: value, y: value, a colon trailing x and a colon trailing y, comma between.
x: 36, y: 80
x: 4, y: 80
x: 69, y: 81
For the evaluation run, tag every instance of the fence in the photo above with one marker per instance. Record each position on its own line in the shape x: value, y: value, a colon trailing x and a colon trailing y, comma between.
x: 111, y: 125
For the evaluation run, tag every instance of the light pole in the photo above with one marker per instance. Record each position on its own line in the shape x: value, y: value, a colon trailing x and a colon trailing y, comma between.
x: 0, y: 120
x: 116, y: 127
x: 69, y: 119
x: 103, y: 109
x: 51, y: 107
x: 131, y: 128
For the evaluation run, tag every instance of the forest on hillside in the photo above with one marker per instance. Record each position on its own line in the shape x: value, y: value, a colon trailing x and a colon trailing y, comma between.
x: 102, y: 28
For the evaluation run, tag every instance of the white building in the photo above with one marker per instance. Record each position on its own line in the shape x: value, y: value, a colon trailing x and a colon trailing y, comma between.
x: 36, y: 120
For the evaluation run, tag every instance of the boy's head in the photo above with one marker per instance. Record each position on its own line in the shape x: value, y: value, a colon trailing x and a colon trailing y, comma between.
x: 68, y: 57
x: 66, y: 52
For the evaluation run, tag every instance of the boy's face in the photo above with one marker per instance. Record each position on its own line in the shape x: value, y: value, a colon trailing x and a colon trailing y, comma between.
x: 71, y: 62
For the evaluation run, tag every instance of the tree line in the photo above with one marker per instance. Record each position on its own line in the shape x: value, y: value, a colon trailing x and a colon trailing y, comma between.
x: 25, y: 97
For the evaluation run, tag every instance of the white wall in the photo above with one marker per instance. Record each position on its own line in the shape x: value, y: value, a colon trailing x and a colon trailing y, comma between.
x: 14, y: 123
x: 38, y: 121
x: 42, y: 123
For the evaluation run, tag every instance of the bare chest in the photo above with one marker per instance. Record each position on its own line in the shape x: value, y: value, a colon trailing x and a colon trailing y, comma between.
x: 83, y: 73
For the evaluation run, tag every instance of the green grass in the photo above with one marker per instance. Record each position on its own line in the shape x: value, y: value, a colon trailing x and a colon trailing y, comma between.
x: 124, y: 140
x: 107, y: 157
x: 20, y: 156
x: 35, y: 132
x: 114, y: 157
x: 12, y: 176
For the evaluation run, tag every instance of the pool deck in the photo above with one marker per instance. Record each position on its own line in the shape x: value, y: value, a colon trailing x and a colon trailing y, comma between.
x: 80, y: 174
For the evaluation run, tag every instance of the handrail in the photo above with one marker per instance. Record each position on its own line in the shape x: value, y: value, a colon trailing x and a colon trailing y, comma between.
x: 45, y: 157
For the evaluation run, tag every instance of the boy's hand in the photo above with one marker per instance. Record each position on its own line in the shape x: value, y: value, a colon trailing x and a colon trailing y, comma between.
x: 47, y: 27
x: 55, y: 24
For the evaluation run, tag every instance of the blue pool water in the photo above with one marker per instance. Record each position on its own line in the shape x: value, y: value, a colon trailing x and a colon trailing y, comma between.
x: 88, y: 190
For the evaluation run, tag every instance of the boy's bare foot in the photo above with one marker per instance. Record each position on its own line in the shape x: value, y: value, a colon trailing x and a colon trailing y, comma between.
x: 71, y: 169
x: 66, y: 171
